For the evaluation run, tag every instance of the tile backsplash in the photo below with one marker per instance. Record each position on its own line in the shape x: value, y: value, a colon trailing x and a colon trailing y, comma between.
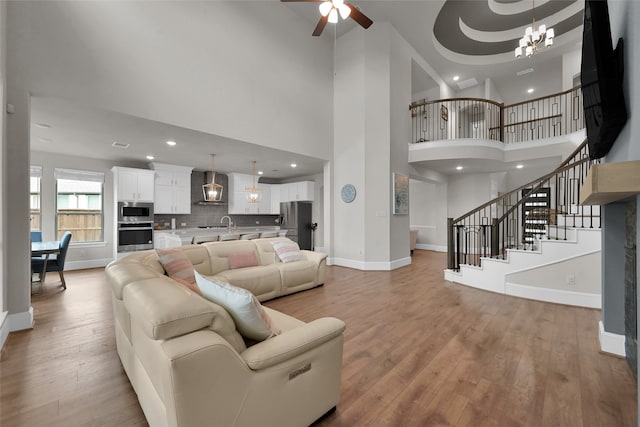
x: 211, y: 214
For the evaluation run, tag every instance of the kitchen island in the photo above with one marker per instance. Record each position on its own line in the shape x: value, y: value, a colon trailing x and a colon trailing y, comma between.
x: 184, y: 236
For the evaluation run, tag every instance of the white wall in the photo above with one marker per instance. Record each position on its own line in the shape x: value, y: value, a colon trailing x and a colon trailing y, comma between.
x: 428, y: 213
x: 207, y: 66
x: 4, y: 329
x: 467, y: 191
x: 571, y: 62
x: 491, y: 91
x: 585, y: 270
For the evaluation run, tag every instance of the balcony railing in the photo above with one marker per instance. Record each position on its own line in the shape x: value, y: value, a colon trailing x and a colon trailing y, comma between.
x: 456, y: 118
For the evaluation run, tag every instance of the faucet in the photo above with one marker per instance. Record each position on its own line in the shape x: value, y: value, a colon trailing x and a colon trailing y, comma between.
x: 229, y: 223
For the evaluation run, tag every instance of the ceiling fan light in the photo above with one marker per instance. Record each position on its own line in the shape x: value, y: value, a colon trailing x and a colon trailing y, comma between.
x: 333, y: 16
x: 325, y: 8
x: 337, y: 3
x: 345, y: 11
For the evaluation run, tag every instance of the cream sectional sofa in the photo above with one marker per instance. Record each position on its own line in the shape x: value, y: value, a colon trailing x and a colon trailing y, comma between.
x: 188, y: 364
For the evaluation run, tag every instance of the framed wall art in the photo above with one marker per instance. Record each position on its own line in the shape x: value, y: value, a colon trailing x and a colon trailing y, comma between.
x: 400, y: 194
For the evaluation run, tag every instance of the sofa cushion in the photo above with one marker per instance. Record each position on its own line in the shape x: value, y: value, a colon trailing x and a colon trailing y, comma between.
x: 176, y: 264
x: 243, y: 259
x: 165, y: 309
x: 263, y: 281
x: 251, y: 319
x: 288, y: 251
x: 299, y: 273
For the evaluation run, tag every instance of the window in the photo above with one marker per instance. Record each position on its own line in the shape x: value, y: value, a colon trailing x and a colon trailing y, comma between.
x: 79, y: 207
x: 34, y: 197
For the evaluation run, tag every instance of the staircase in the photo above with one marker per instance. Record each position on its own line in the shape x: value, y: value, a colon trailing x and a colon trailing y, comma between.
x: 534, y: 242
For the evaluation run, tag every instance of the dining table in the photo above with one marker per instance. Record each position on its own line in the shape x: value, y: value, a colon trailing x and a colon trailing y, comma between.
x: 45, y: 249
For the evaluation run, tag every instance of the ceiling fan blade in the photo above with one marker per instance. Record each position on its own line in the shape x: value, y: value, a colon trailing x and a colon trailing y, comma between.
x: 359, y: 17
x: 321, y: 24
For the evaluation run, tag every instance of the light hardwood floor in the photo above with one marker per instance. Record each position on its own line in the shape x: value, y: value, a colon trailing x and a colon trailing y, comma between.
x: 419, y: 351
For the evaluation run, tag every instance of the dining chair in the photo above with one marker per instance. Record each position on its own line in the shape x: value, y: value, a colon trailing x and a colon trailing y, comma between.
x: 266, y: 234
x: 36, y: 236
x: 231, y: 236
x: 249, y: 236
x: 203, y: 239
x: 55, y: 262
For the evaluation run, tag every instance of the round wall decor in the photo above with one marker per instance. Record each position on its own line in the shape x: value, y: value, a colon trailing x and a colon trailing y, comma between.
x: 348, y: 193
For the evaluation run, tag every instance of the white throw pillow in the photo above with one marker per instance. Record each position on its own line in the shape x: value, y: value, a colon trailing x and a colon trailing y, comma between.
x: 247, y: 312
x: 287, y: 251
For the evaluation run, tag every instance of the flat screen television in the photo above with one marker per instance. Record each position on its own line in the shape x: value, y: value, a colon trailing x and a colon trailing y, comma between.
x: 601, y: 74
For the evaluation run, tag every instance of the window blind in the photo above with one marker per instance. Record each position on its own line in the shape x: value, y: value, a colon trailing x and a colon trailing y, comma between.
x: 78, y: 175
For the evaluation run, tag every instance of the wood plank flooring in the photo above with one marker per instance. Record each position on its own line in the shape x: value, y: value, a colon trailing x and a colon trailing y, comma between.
x: 419, y: 351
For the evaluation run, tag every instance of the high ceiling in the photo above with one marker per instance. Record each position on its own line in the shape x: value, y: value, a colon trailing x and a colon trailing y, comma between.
x: 473, y: 39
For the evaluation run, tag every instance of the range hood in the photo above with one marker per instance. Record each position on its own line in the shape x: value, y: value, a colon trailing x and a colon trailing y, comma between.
x: 220, y: 179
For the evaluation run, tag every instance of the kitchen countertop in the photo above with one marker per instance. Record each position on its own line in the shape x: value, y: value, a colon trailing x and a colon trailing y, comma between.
x: 183, y: 236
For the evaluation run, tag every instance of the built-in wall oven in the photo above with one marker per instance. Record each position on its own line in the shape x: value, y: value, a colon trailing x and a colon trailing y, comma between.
x: 135, y: 226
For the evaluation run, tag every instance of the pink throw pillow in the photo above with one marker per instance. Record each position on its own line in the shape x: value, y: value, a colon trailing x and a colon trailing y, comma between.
x: 243, y: 259
x: 176, y: 264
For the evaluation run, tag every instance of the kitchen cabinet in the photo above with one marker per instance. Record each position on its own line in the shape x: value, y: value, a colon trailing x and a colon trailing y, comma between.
x: 275, y: 198
x: 297, y: 191
x: 134, y: 185
x: 238, y: 196
x: 172, y: 189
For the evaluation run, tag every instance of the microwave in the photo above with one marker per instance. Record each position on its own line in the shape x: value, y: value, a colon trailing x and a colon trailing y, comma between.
x: 135, y: 212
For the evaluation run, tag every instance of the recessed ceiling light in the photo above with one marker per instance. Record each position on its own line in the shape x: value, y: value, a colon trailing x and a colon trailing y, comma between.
x: 260, y: 172
x: 456, y: 78
x: 459, y: 168
x: 150, y: 157
x: 519, y: 166
x: 43, y: 125
x: 171, y: 143
x: 122, y: 145
x: 530, y: 90
x: 293, y: 165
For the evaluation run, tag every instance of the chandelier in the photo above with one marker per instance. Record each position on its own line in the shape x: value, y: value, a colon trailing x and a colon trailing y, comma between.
x: 332, y: 7
x: 534, y: 39
x: 212, y: 192
x: 253, y: 192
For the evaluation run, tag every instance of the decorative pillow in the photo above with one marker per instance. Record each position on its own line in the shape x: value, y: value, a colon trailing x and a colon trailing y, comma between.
x: 250, y: 318
x: 243, y: 259
x: 288, y: 251
x: 176, y: 264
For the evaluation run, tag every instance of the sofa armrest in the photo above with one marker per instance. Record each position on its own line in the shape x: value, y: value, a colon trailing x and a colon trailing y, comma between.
x: 292, y: 343
x: 316, y: 257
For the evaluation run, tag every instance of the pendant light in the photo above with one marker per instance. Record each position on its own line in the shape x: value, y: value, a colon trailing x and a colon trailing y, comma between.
x: 253, y: 192
x: 212, y: 192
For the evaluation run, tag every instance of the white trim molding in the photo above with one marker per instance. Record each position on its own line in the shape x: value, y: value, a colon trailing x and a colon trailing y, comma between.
x: 429, y: 247
x: 14, y: 322
x: 89, y: 263
x: 369, y: 266
x: 609, y: 342
x: 558, y: 296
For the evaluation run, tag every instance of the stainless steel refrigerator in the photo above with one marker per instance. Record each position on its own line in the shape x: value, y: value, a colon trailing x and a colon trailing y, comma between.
x: 296, y: 219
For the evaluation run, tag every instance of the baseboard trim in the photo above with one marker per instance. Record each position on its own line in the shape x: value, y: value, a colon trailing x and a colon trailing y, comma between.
x: 89, y: 263
x: 14, y: 322
x: 4, y: 328
x: 369, y: 266
x: 429, y: 247
x: 558, y: 296
x: 611, y: 343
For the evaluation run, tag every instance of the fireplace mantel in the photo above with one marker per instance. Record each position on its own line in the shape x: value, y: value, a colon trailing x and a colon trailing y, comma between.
x: 610, y: 182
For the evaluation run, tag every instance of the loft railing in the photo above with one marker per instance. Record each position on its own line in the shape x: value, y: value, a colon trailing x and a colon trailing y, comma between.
x: 546, y: 208
x: 456, y: 118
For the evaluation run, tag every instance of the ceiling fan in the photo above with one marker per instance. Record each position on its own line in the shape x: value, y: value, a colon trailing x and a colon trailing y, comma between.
x: 329, y: 10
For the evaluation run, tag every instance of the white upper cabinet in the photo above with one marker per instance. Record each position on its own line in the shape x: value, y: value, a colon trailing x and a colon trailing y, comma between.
x: 172, y: 189
x: 297, y: 191
x: 134, y: 185
x: 238, y: 196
